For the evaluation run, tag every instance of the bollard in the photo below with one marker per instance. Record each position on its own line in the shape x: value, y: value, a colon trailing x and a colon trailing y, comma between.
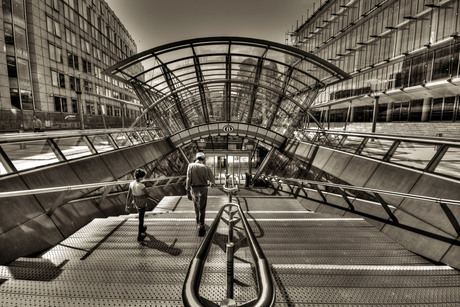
x: 230, y: 251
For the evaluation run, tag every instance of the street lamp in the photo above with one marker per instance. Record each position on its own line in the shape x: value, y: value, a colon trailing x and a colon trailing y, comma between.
x: 376, y: 91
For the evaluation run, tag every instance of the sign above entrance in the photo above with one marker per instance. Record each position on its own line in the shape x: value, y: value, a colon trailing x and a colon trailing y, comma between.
x: 228, y: 128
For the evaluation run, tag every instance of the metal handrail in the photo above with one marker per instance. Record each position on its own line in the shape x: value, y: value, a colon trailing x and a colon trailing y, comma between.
x: 364, y: 189
x: 78, y: 187
x: 266, y: 290
x: 29, y: 136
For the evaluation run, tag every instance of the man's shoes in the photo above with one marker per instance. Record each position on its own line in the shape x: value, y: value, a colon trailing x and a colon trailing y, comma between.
x: 141, y: 237
x: 201, y: 231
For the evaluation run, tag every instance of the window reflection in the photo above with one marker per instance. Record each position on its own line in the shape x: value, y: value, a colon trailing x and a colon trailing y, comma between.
x: 74, y: 147
x: 449, y: 164
x: 30, y: 154
x: 413, y: 154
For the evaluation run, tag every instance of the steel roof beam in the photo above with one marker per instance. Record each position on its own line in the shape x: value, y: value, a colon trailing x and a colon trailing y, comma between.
x: 228, y: 86
x: 200, y: 79
x: 280, y: 97
x: 168, y: 77
x: 252, y: 104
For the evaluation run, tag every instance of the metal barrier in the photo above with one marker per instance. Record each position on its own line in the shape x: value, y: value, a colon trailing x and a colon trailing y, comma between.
x: 108, y: 187
x: 22, y: 151
x: 266, y: 290
x: 430, y: 154
x: 303, y: 184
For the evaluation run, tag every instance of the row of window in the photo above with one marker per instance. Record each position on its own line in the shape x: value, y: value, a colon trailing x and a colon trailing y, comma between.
x: 64, y: 105
x: 85, y: 16
x: 58, y: 80
x: 438, y: 109
x: 429, y: 65
x: 365, y: 44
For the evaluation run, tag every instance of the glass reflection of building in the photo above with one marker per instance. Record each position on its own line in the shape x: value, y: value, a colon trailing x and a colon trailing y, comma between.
x: 405, y: 52
x: 53, y: 51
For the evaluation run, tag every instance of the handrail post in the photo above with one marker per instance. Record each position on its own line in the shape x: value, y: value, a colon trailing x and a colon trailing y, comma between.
x: 230, y: 267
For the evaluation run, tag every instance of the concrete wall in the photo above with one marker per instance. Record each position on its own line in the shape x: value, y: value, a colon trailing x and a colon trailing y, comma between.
x: 30, y: 224
x: 422, y: 227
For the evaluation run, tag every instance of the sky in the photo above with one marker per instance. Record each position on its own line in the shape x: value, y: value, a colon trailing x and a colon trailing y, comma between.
x: 153, y: 23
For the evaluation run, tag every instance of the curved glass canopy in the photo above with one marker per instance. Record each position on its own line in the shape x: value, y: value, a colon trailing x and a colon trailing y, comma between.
x: 226, y: 79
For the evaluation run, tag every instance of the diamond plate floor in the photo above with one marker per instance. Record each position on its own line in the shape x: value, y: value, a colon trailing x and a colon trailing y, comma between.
x: 316, y: 260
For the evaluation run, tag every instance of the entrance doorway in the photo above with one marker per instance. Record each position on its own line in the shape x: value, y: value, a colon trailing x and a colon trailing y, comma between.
x: 228, y: 167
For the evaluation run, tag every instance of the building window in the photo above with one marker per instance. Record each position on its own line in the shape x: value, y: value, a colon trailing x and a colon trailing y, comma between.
x: 85, y: 46
x: 90, y: 108
x: 74, y: 104
x: 74, y: 83
x: 70, y: 37
x: 97, y: 72
x: 83, y: 24
x: 18, y: 8
x: 55, y: 53
x: 53, y: 26
x: 15, y: 101
x: 54, y: 4
x: 69, y: 13
x: 97, y: 53
x: 88, y: 86
x: 72, y: 60
x: 57, y: 79
x: 9, y: 38
x: 98, y: 89
x: 87, y: 67
x: 109, y: 110
x: 60, y: 104
x: 20, y: 40
x: 27, y: 101
x: 11, y: 65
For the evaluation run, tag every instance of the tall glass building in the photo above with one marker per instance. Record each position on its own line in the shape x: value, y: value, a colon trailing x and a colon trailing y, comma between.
x: 52, y: 56
x: 403, y: 56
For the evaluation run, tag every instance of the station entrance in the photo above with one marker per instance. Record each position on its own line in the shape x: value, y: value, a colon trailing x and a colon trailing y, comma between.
x: 230, y: 166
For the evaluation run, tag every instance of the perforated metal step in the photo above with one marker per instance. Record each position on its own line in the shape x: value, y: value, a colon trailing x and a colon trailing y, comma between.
x: 315, y: 259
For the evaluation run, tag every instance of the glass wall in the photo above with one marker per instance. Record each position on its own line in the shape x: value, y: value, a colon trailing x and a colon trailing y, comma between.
x: 401, y: 43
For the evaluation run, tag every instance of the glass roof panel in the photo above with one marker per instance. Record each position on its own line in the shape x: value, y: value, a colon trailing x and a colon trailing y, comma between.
x: 210, y: 49
x: 211, y: 59
x: 286, y: 58
x: 149, y: 65
x: 169, y: 56
x: 249, y: 50
x: 262, y: 74
x: 180, y: 63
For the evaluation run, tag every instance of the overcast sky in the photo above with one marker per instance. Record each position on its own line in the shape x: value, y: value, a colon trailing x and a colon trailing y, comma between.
x: 152, y: 23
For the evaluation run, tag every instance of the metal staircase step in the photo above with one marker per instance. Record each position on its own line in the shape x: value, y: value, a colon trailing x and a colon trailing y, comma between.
x: 315, y: 259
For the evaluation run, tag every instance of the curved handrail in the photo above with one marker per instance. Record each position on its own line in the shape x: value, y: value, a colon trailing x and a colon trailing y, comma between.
x: 190, y: 290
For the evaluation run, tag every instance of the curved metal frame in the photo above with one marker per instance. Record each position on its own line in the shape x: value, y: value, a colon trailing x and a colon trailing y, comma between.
x: 275, y: 76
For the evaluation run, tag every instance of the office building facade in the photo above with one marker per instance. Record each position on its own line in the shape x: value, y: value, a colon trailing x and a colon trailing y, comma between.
x: 403, y: 56
x: 51, y: 62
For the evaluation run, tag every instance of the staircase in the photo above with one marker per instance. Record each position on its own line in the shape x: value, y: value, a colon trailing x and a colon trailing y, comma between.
x: 316, y: 260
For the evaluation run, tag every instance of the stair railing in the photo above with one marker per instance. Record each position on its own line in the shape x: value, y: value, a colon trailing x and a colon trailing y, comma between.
x: 266, y: 290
